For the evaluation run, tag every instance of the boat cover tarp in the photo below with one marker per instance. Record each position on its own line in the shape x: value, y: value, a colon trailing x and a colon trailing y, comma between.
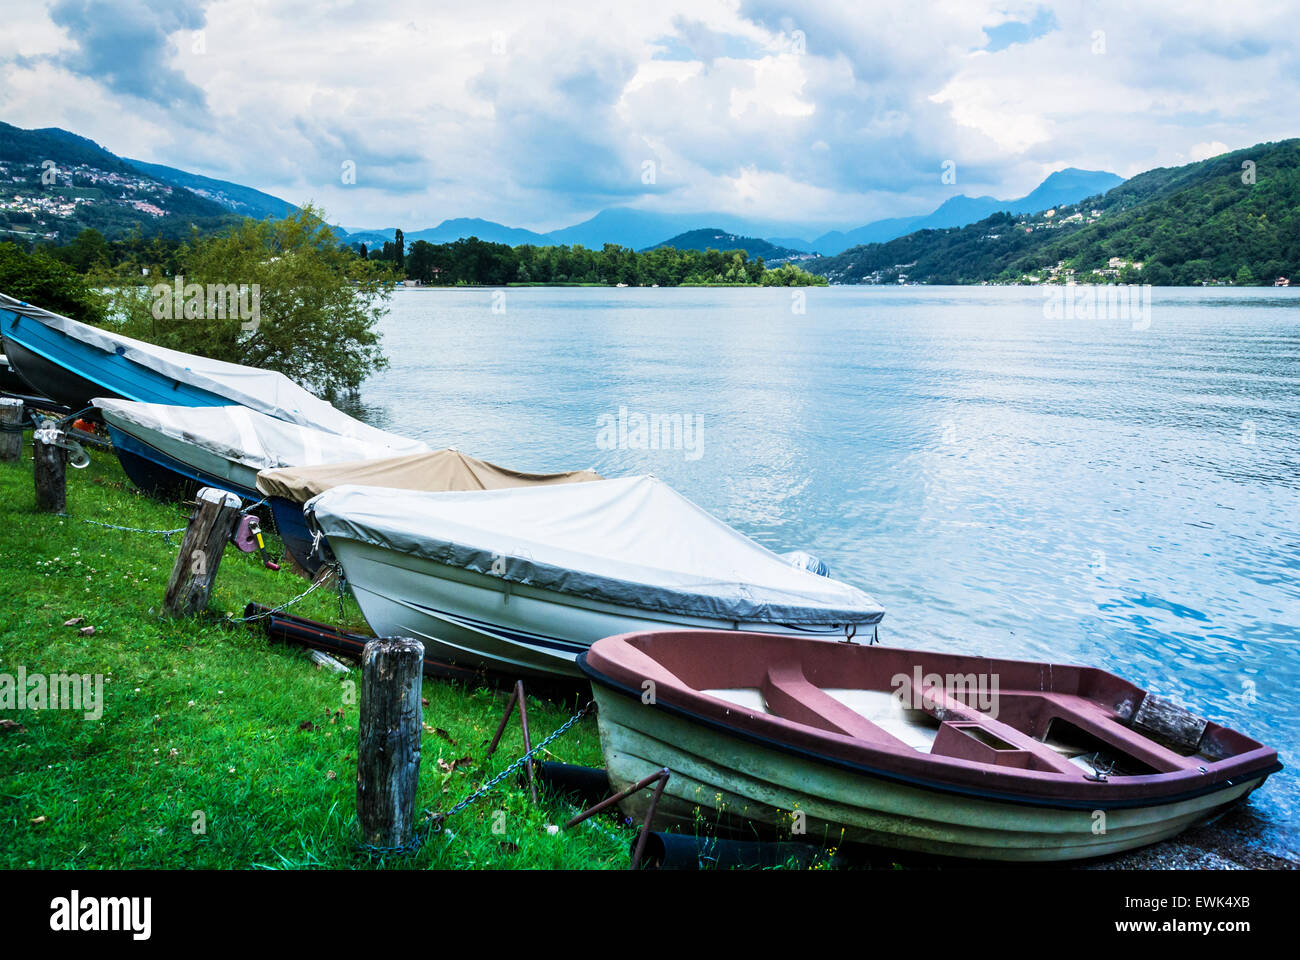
x: 436, y: 470
x: 237, y: 434
x: 634, y: 542
x: 265, y: 391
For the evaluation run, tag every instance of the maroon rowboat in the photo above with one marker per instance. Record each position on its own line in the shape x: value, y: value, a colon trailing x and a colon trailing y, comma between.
x: 932, y: 752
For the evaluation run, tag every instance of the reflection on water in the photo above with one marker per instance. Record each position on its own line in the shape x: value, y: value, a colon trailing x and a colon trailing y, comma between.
x: 1005, y: 484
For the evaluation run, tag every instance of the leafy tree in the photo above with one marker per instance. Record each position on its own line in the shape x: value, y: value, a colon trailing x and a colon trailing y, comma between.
x: 89, y: 249
x: 316, y: 306
x: 39, y: 279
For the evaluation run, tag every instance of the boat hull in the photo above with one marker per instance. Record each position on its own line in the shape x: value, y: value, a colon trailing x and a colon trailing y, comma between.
x: 482, y: 621
x: 73, y: 373
x: 157, y: 469
x: 10, y: 380
x: 291, y: 525
x: 716, y: 777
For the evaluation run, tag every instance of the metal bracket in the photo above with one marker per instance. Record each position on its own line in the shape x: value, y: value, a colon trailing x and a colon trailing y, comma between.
x: 52, y: 435
x: 517, y: 697
x: 660, y: 779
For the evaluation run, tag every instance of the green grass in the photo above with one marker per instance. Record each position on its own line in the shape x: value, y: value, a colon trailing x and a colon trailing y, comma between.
x: 203, y: 716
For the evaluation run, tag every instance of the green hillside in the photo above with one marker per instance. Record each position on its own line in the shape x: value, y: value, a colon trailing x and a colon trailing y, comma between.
x: 54, y: 184
x: 1218, y: 220
x: 235, y: 197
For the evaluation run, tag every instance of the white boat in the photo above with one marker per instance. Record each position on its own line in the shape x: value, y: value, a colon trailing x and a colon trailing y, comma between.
x: 523, y: 580
x: 161, y: 447
x: 288, y: 488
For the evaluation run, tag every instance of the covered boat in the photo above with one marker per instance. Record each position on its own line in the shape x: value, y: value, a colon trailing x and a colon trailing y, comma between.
x: 523, y: 580
x: 164, y: 448
x: 72, y: 362
x: 288, y: 488
x: 926, y: 752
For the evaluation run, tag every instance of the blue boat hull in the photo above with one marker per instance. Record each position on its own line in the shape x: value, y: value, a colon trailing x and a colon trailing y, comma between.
x: 72, y: 372
x: 291, y: 525
x: 162, y: 476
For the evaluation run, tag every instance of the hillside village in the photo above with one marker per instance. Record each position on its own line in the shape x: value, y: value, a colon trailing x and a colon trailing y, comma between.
x: 35, y: 195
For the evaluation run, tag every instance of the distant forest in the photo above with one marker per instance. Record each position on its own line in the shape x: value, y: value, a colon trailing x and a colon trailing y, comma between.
x: 474, y: 261
x: 464, y: 263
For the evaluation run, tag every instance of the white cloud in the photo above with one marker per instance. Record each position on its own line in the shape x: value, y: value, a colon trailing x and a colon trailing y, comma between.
x: 538, y: 115
x: 1203, y: 151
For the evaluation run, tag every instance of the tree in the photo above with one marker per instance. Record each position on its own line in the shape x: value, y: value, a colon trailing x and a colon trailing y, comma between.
x: 89, y: 249
x: 315, y: 306
x: 42, y: 281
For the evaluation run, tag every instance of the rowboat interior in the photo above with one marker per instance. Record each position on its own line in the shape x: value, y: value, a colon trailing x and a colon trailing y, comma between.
x: 1051, y: 727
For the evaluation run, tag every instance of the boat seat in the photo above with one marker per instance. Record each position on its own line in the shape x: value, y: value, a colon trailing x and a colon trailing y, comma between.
x: 1044, y: 757
x: 1093, y: 719
x: 790, y: 695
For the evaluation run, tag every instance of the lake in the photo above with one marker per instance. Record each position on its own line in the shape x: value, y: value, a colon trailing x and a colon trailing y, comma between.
x: 1007, y: 482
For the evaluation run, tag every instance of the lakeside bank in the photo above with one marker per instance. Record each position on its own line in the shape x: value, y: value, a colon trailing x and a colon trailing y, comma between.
x: 208, y: 725
x: 216, y: 749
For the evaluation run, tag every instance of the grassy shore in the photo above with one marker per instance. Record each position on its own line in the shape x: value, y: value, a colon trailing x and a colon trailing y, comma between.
x: 205, y: 716
x: 202, y: 715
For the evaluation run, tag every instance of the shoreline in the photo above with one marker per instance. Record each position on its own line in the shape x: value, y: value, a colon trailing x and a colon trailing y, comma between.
x: 195, y: 709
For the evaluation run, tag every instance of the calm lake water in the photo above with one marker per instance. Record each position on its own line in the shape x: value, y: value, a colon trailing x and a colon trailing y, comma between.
x: 1005, y: 484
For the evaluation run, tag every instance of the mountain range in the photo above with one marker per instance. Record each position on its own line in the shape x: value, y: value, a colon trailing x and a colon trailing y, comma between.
x: 1064, y: 186
x: 1234, y: 218
x: 153, y: 197
x: 643, y: 229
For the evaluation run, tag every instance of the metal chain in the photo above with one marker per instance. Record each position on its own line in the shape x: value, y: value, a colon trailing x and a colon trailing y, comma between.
x: 316, y: 584
x: 436, y: 820
x: 166, y: 534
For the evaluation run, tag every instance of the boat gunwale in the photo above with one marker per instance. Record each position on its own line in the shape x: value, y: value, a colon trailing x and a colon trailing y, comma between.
x: 1042, y: 787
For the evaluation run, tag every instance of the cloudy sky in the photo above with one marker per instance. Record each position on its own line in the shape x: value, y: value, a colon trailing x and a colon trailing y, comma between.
x: 539, y: 114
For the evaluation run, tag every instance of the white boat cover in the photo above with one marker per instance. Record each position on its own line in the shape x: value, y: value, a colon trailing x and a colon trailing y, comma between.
x: 447, y: 469
x: 238, y: 434
x: 634, y: 542
x: 265, y: 391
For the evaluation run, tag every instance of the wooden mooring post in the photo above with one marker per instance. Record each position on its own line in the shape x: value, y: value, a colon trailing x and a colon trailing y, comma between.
x: 388, y: 751
x: 11, y: 440
x: 51, y: 469
x: 210, y: 528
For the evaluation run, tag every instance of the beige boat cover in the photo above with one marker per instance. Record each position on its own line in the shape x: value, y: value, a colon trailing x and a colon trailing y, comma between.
x: 438, y: 470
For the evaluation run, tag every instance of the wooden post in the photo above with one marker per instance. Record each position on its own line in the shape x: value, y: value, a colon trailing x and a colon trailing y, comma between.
x: 211, y: 525
x: 51, y: 470
x: 11, y: 444
x: 388, y: 751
